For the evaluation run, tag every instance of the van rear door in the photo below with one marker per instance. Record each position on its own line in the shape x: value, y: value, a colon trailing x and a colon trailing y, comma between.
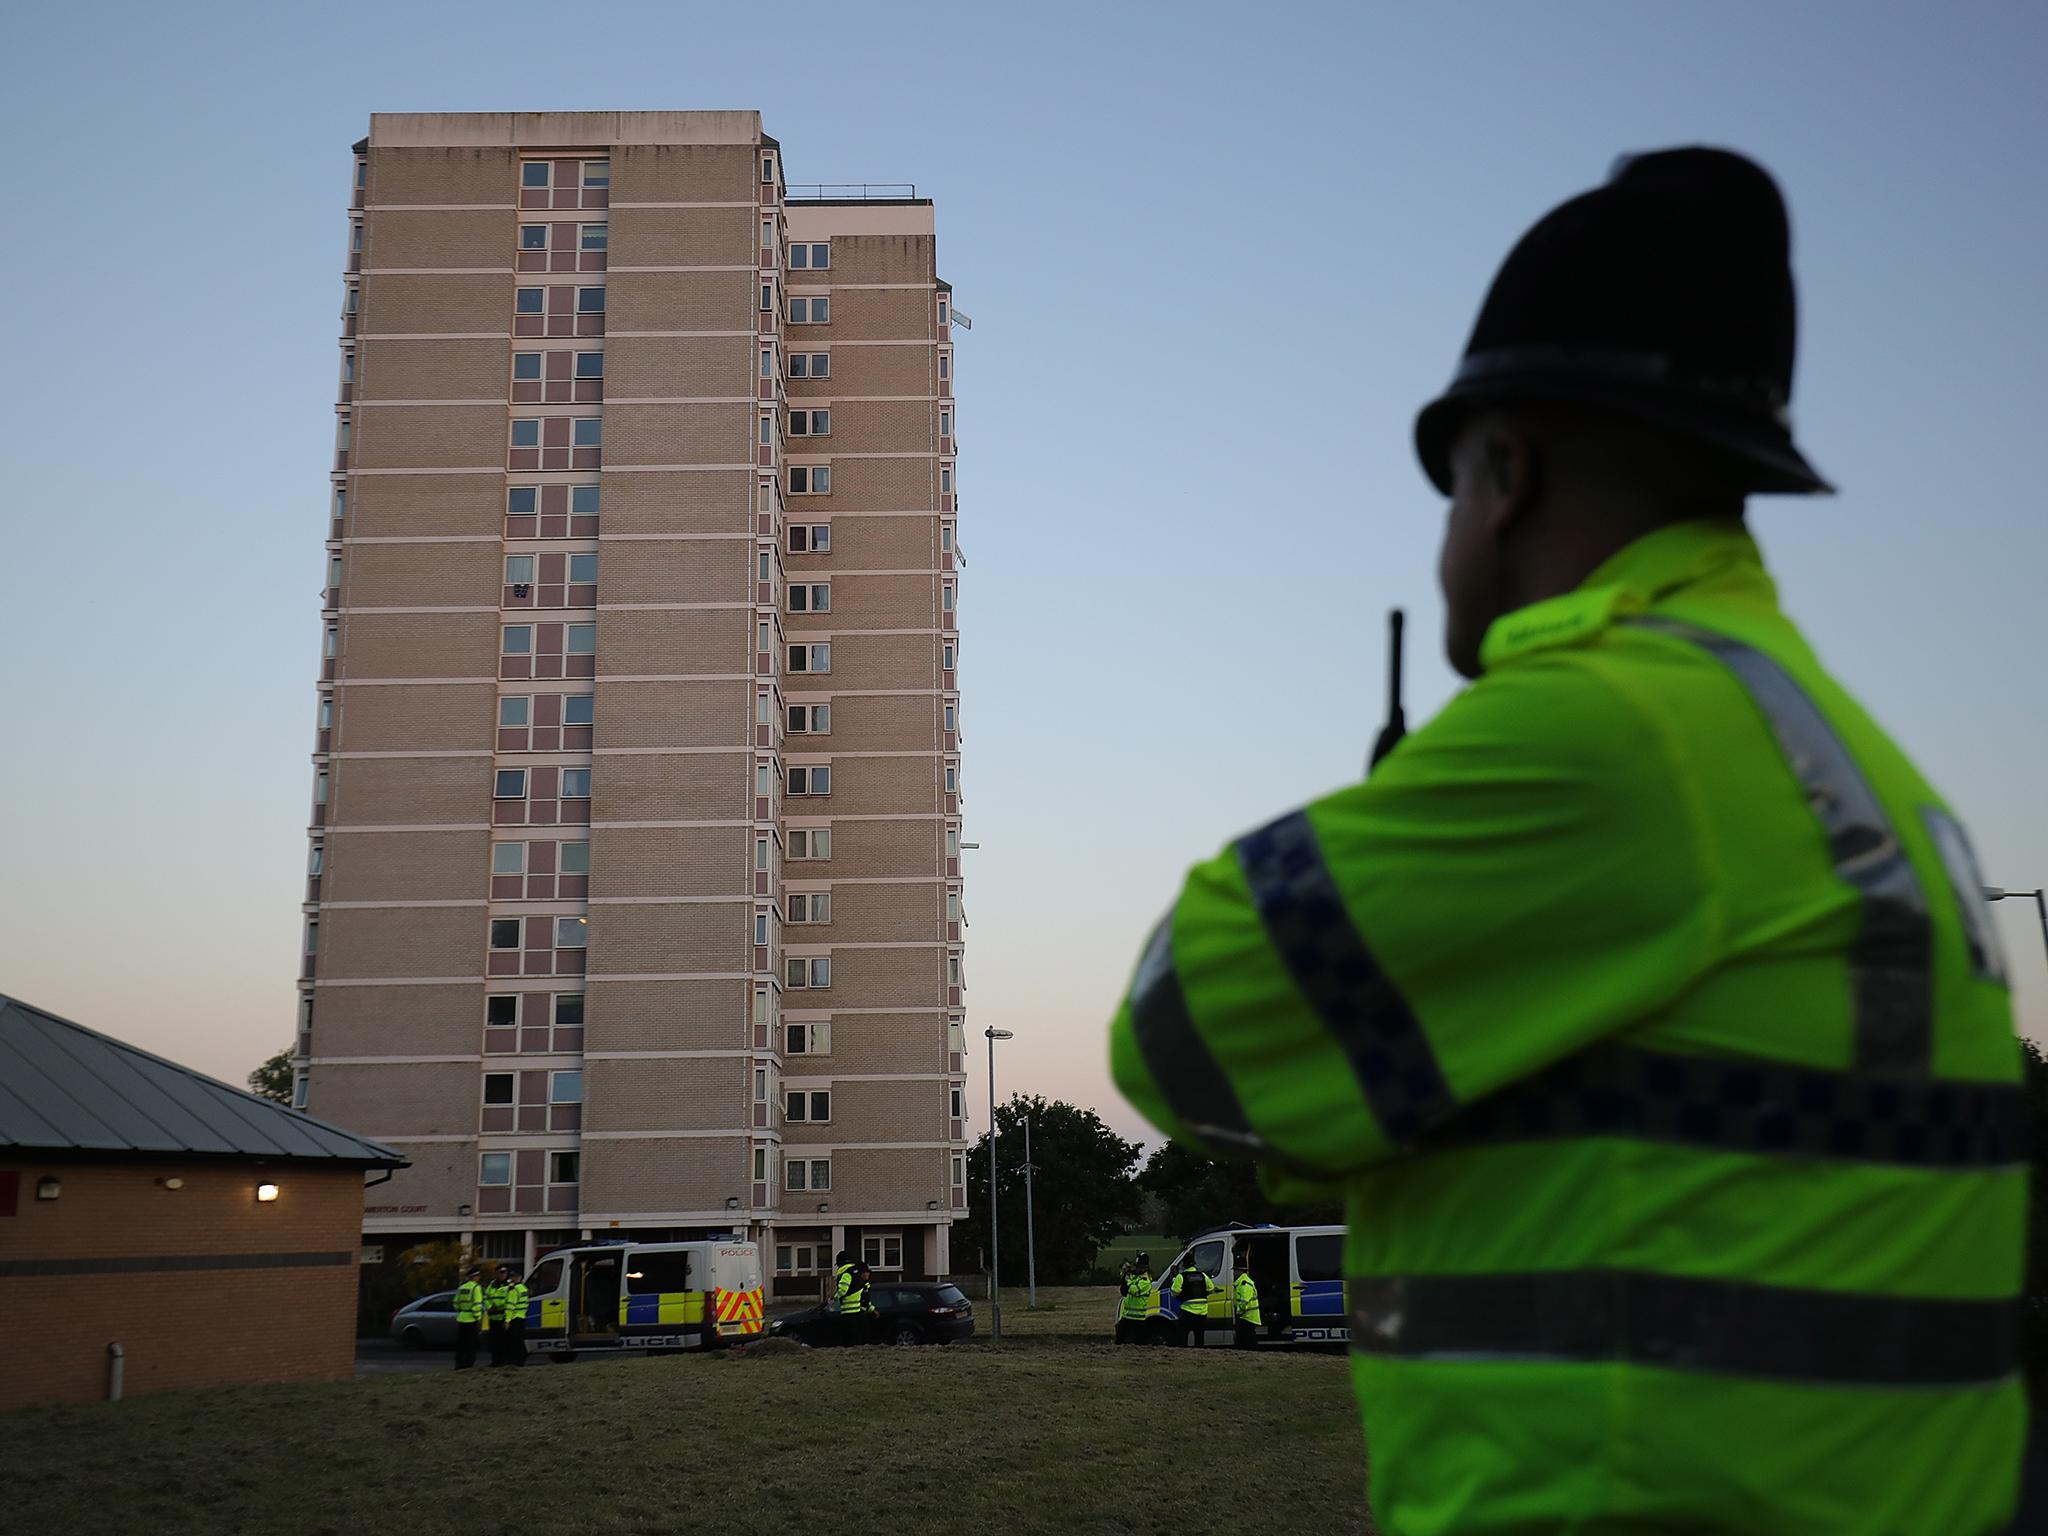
x: 735, y: 1283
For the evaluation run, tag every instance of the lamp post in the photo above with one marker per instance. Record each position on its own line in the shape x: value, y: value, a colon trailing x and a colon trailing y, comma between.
x: 995, y: 1262
x: 1030, y: 1228
x: 2038, y: 898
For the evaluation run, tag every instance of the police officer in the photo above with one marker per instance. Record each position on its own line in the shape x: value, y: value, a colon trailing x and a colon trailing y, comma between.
x: 843, y: 1304
x: 870, y: 1324
x: 494, y: 1315
x: 469, y: 1315
x: 1642, y: 1004
x: 1244, y: 1294
x: 516, y: 1300
x: 1191, y: 1290
x: 1135, y: 1304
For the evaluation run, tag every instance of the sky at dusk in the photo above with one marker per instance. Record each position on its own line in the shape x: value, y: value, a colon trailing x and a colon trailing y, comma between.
x: 1214, y: 257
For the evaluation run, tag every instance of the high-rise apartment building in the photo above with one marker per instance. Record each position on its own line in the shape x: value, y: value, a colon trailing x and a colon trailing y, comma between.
x: 634, y: 902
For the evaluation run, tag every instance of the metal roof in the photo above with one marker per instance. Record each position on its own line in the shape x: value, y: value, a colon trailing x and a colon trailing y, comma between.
x: 66, y: 1088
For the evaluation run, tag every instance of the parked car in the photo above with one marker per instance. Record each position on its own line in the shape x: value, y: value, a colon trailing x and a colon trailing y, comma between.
x: 912, y: 1312
x: 427, y: 1322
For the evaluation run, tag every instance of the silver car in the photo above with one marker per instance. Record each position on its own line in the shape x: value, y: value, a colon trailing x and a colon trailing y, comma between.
x: 426, y: 1323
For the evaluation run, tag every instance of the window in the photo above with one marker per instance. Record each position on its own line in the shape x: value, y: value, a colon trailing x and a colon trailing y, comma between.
x: 526, y: 433
x: 583, y: 569
x: 572, y: 858
x: 951, y: 716
x: 760, y: 778
x: 653, y: 1274
x: 812, y: 1108
x: 562, y: 1167
x: 575, y: 783
x: 348, y: 367
x: 767, y: 169
x: 956, y: 1101
x: 589, y: 432
x: 494, y: 1168
x: 952, y: 842
x: 949, y: 654
x: 810, y: 843
x: 590, y: 301
x: 299, y: 1090
x: 945, y: 421
x: 767, y: 430
x: 956, y: 1034
x: 312, y: 935
x: 810, y: 658
x: 340, y: 501
x: 581, y: 638
x: 596, y: 173
x: 816, y: 257
x: 952, y: 970
x: 761, y: 853
x: 352, y: 299
x: 529, y: 301
x: 946, y: 596
x: 572, y: 933
x: 810, y: 781
x: 565, y: 1087
x: 808, y: 1039
x: 504, y: 933
x: 760, y: 1085
x: 760, y: 927
x: 807, y: 1173
x: 810, y: 719
x: 882, y: 1250
x: 501, y: 1010
x: 767, y: 362
x: 508, y: 858
x: 945, y: 365
x: 816, y: 907
x: 518, y: 570
x: 594, y: 238
x: 811, y: 365
x: 583, y: 500
x: 810, y: 597
x: 945, y: 538
x: 522, y: 500
x: 534, y: 173
x: 316, y: 858
x: 498, y: 1087
x: 953, y: 906
x: 946, y: 479
x: 514, y: 713
x: 362, y: 173
x: 810, y: 311
x: 327, y: 712
x: 945, y: 310
x: 590, y: 365
x: 810, y: 538
x: 767, y: 234
x: 320, y: 787
x: 761, y: 1008
x: 579, y: 709
x: 569, y: 1010
x: 813, y: 973
x: 510, y: 784
x: 533, y: 237
x: 768, y: 296
x: 525, y: 365
x: 810, y: 480
x: 760, y: 1162
x: 952, y: 778
x: 810, y: 423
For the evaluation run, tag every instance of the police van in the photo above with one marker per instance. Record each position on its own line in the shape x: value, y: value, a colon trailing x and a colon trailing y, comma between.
x: 656, y: 1296
x: 1299, y: 1272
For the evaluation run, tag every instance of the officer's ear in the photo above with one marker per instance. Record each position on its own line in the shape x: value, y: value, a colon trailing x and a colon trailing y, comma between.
x: 1511, y: 461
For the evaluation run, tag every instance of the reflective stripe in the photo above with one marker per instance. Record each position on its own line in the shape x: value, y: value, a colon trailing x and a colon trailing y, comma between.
x: 1327, y: 958
x: 1745, y: 1104
x: 1891, y: 962
x: 1684, y: 1324
x: 1180, y: 1063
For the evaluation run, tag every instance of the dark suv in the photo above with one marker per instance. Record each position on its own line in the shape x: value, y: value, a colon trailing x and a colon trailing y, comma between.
x: 910, y: 1312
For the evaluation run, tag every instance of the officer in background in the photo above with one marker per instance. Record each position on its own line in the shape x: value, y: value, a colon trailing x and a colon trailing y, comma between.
x: 1244, y: 1295
x: 494, y: 1315
x: 1134, y: 1305
x: 469, y: 1316
x: 1643, y: 1005
x: 842, y: 1304
x: 1191, y: 1290
x: 870, y: 1315
x: 516, y: 1300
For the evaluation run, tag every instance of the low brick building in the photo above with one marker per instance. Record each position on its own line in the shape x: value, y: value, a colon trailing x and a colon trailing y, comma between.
x: 209, y: 1234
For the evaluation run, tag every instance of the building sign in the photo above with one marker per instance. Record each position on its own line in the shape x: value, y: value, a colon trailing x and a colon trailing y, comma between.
x: 394, y: 1210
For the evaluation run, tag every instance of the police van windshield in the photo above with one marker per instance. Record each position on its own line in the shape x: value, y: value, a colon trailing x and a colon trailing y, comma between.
x: 1207, y: 1257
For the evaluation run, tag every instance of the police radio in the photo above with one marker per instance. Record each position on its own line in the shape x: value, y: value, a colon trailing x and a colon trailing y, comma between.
x: 1397, y: 723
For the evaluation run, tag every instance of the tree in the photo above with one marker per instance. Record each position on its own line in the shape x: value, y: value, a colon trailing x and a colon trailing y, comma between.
x: 1083, y: 1190
x: 273, y: 1080
x: 1197, y: 1192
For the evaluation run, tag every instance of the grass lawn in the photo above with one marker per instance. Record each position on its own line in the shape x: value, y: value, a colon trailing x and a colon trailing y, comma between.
x: 1038, y: 1434
x: 1162, y: 1249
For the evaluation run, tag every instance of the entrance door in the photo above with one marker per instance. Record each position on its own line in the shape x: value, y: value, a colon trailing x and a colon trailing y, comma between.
x: 1270, y: 1273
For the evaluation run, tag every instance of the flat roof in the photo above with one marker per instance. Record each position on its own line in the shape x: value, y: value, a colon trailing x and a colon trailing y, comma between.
x: 66, y: 1088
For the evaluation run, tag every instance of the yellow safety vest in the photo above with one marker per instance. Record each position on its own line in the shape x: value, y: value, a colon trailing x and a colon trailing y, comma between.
x: 494, y: 1302
x: 842, y: 1290
x: 469, y: 1302
x: 1137, y: 1296
x: 1191, y: 1288
x: 1247, y: 1293
x: 516, y: 1298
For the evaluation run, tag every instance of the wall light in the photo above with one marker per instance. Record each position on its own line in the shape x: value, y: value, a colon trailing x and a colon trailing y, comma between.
x: 465, y: 1210
x: 732, y: 1202
x: 172, y: 1183
x: 824, y: 1205
x: 931, y: 1205
x: 266, y: 1193
x: 48, y: 1189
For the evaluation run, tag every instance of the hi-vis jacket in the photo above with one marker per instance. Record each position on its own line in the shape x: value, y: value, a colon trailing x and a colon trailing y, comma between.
x: 1646, y: 1007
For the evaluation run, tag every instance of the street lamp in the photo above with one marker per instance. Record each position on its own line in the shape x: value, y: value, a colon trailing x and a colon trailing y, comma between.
x: 1030, y: 1227
x: 2038, y: 898
x: 995, y: 1261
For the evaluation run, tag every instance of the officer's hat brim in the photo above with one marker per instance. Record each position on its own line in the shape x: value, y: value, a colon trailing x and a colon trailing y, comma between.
x: 1769, y: 461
